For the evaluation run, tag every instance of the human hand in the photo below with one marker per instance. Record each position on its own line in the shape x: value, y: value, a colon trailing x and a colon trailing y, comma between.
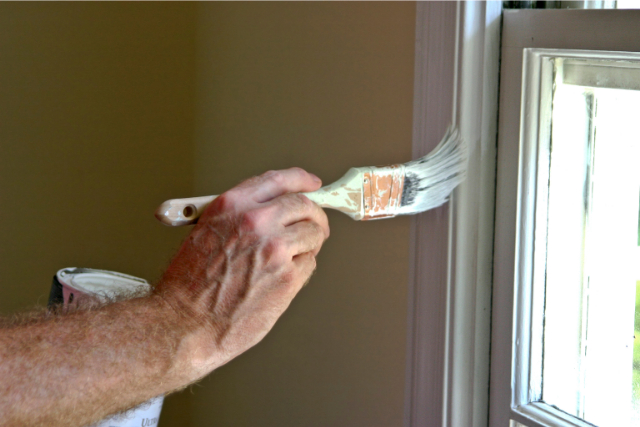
x: 251, y: 252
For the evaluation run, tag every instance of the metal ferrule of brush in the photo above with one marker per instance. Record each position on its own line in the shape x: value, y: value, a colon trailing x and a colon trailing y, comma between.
x: 382, y: 191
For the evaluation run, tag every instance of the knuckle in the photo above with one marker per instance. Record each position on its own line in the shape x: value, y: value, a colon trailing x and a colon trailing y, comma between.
x: 298, y: 202
x: 323, y: 221
x: 319, y: 217
x: 249, y: 182
x: 312, y: 262
x: 226, y: 201
x: 275, y: 253
x: 251, y: 221
x: 306, y: 201
x: 256, y: 220
x: 298, y: 170
x: 327, y: 231
x: 308, y: 266
x: 275, y: 176
x: 267, y: 212
x: 318, y: 231
x: 288, y: 278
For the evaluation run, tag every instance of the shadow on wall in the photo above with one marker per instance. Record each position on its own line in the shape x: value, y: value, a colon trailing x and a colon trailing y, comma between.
x: 108, y: 109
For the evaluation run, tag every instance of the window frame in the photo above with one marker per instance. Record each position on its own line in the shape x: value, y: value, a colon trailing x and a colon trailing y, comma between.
x: 532, y: 35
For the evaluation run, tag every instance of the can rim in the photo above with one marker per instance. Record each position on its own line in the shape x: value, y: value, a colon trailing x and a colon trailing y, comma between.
x: 68, y: 277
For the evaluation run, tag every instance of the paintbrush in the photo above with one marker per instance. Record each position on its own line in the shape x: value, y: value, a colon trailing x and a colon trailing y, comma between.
x: 368, y: 192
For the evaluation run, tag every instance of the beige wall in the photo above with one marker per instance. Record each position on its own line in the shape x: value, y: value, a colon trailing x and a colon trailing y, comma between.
x: 107, y: 109
x: 325, y: 86
x: 96, y: 127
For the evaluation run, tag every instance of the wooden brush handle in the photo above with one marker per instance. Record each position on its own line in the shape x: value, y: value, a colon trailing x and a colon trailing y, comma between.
x: 344, y: 195
x: 176, y: 212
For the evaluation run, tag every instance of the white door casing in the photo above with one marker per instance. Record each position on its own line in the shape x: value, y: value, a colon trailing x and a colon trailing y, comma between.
x: 456, y: 82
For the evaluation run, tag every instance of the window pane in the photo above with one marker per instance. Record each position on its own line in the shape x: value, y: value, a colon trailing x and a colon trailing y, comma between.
x: 589, y: 366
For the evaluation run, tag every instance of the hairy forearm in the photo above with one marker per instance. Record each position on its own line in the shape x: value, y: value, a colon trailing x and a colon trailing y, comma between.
x: 77, y: 368
x: 237, y: 272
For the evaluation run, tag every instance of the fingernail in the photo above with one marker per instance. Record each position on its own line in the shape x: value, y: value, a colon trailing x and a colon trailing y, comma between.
x: 315, y: 178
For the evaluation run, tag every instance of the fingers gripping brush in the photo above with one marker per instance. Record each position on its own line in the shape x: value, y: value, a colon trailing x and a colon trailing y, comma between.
x: 368, y: 192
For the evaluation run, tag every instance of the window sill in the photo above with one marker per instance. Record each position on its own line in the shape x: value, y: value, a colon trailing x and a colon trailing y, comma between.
x: 544, y: 415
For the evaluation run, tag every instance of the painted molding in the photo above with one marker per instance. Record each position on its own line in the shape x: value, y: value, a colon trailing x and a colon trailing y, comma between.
x: 472, y: 246
x: 428, y: 274
x: 456, y: 81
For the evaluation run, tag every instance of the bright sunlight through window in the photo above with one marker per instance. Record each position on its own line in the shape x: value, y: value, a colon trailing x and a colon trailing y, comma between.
x: 591, y: 338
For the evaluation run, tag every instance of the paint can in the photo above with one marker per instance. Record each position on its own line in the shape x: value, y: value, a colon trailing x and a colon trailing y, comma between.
x: 73, y: 287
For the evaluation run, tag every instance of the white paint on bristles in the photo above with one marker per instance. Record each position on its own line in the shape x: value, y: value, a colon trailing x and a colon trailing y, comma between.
x: 432, y: 178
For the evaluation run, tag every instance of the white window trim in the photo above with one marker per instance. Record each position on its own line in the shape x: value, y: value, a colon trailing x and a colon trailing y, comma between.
x: 535, y: 126
x: 456, y: 82
x: 509, y: 393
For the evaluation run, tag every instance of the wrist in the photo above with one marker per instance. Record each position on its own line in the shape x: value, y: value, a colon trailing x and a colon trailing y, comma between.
x: 196, y: 351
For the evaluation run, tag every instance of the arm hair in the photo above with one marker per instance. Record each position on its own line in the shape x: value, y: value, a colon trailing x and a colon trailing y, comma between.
x: 76, y: 368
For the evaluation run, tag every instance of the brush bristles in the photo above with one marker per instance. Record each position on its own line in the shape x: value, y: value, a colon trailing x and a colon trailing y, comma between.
x: 430, y: 179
